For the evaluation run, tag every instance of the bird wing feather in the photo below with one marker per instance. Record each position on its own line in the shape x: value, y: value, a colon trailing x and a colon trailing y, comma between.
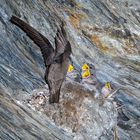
x: 60, y: 41
x: 63, y: 47
x: 40, y: 40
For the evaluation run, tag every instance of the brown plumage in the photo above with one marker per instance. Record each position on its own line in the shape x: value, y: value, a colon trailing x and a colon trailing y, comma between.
x: 56, y: 61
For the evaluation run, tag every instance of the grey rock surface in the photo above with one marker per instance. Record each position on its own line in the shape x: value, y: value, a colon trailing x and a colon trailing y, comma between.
x: 78, y: 113
x: 20, y: 122
x: 102, y: 32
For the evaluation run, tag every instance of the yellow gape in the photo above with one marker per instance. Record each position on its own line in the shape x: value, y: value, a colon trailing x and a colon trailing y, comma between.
x: 86, y: 74
x: 70, y: 68
x: 85, y: 67
x: 107, y: 85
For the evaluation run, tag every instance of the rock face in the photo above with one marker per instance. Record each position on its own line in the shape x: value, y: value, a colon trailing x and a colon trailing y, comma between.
x: 78, y: 113
x: 20, y: 122
x: 105, y: 33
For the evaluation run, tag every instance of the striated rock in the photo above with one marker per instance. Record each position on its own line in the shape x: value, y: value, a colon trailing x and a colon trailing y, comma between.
x: 78, y: 113
x: 20, y: 122
x: 104, y: 33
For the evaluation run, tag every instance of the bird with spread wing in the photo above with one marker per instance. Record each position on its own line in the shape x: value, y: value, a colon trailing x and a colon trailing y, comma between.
x: 56, y: 60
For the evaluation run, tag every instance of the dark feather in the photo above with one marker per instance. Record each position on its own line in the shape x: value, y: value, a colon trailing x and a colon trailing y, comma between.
x: 56, y: 61
x: 39, y: 39
x: 57, y: 74
x: 60, y: 41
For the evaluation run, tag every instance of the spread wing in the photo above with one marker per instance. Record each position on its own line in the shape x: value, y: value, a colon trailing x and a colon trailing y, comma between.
x: 60, y: 41
x: 63, y: 47
x: 40, y: 40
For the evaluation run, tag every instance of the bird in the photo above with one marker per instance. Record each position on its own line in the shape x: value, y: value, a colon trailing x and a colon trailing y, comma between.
x: 89, y: 79
x: 73, y: 74
x: 106, y: 90
x: 56, y: 60
x: 70, y: 68
x: 88, y: 73
x: 85, y: 67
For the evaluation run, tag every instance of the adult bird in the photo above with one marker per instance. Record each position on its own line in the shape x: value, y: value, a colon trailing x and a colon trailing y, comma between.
x: 56, y: 60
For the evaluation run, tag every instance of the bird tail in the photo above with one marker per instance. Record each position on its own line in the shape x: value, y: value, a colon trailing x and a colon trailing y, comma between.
x: 54, y: 98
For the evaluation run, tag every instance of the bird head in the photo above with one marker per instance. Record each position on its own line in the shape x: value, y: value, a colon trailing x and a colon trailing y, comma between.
x: 85, y: 67
x: 86, y: 74
x: 107, y: 85
x: 70, y: 68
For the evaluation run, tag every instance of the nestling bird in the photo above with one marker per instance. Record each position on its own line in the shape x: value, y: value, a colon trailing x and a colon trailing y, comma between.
x: 88, y: 74
x: 106, y: 90
x: 72, y: 74
x: 56, y: 61
x: 89, y: 79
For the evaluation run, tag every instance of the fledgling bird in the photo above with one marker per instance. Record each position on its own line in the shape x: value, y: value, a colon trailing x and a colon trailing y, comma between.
x: 106, y: 90
x: 89, y: 74
x: 89, y: 79
x: 56, y: 61
x: 73, y: 74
